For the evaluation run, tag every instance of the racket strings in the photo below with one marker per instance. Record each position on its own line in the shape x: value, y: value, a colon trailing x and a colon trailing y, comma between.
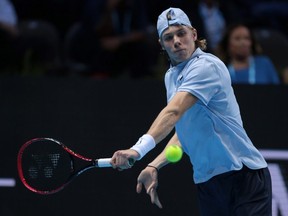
x: 46, y: 167
x: 43, y: 165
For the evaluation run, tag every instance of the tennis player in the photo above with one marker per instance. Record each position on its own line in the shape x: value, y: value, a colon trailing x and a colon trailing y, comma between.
x: 231, y: 175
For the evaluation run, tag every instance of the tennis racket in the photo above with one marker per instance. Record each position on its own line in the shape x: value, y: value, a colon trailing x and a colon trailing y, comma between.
x: 46, y: 166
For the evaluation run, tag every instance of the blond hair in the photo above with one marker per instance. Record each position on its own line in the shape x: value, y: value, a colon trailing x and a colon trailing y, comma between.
x: 201, y: 43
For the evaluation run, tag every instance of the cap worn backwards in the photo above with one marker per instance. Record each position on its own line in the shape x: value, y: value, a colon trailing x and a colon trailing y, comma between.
x: 171, y: 16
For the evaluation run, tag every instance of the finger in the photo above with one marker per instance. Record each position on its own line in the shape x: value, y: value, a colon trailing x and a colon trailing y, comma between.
x: 130, y: 162
x: 150, y: 188
x: 113, y: 161
x: 139, y: 187
x: 117, y: 161
x: 154, y: 198
x: 123, y: 165
x: 158, y: 203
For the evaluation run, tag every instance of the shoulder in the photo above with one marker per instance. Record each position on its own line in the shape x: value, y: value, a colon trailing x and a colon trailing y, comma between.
x: 205, y: 59
x: 205, y: 68
x: 210, y: 62
x: 212, y: 59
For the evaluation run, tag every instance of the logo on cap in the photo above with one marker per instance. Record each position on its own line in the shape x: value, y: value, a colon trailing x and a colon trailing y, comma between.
x: 170, y: 14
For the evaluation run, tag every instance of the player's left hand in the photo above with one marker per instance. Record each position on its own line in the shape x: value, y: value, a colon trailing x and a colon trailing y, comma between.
x: 149, y: 178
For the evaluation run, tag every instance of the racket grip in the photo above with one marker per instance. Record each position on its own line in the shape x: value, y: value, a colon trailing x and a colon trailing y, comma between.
x: 105, y: 162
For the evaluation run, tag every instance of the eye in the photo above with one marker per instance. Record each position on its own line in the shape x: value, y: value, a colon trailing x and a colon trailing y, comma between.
x: 181, y: 33
x: 167, y: 37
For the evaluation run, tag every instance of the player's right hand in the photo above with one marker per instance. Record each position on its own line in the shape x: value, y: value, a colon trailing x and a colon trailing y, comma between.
x: 122, y: 159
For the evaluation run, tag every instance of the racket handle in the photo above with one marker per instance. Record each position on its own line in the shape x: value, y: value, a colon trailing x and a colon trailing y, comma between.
x: 105, y: 162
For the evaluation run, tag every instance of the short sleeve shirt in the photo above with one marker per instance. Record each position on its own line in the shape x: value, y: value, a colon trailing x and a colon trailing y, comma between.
x: 211, y: 131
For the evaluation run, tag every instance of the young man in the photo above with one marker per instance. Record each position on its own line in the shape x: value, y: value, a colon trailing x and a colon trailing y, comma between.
x: 231, y: 175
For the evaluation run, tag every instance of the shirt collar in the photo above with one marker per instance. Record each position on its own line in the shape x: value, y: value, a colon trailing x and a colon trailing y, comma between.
x: 195, y: 54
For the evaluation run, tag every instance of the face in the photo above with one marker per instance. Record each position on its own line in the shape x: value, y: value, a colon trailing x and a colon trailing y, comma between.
x: 179, y: 43
x: 240, y: 43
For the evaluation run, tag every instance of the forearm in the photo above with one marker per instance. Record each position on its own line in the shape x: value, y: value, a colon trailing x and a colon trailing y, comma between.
x: 163, y: 124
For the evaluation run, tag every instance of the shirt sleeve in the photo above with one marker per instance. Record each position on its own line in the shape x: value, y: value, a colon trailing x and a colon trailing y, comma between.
x: 201, y: 80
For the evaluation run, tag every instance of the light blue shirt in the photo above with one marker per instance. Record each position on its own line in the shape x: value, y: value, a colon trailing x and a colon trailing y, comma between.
x: 211, y: 131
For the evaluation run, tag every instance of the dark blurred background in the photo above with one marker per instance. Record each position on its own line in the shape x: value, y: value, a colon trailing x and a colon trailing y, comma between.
x: 67, y: 74
x: 118, y: 39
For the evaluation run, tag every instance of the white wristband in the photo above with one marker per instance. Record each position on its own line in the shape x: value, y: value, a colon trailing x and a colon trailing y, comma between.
x: 144, y: 145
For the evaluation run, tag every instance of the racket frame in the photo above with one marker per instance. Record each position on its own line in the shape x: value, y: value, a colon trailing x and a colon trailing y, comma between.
x: 94, y: 163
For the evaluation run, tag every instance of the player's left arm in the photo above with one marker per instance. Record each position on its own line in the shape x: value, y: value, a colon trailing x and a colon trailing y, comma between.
x: 161, y: 161
x: 148, y: 178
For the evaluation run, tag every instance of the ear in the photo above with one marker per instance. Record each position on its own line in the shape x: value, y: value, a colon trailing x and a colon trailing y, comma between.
x: 194, y: 33
x: 161, y: 44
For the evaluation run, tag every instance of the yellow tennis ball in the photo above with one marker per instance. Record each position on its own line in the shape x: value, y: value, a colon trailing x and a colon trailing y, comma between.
x: 173, y: 153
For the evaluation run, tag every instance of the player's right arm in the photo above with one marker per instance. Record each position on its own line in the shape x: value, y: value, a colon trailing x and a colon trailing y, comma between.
x: 161, y: 127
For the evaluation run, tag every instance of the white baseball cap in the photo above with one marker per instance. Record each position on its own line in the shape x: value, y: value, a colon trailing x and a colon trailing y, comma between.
x: 171, y: 16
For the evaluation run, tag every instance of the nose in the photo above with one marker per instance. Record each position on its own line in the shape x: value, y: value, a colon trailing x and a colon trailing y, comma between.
x: 176, y: 41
